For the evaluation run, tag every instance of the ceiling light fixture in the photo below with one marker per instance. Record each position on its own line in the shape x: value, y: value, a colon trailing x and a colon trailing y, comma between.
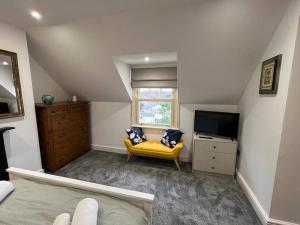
x: 5, y: 63
x: 147, y: 59
x: 36, y: 15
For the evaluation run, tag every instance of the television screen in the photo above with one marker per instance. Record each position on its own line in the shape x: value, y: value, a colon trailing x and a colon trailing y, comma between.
x: 4, y: 107
x: 217, y: 123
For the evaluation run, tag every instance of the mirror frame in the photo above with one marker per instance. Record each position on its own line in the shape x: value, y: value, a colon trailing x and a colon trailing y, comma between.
x: 16, y: 78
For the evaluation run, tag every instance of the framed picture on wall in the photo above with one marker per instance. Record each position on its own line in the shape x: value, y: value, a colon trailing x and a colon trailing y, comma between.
x: 270, y: 75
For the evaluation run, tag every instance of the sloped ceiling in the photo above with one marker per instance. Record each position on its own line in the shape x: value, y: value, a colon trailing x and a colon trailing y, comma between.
x: 218, y: 43
x: 61, y: 11
x: 5, y: 93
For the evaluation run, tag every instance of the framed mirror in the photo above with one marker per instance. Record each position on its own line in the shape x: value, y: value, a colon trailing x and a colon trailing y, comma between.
x: 11, y: 103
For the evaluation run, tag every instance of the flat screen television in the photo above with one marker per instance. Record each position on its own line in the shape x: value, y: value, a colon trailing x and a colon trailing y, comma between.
x: 217, y: 123
x: 4, y: 107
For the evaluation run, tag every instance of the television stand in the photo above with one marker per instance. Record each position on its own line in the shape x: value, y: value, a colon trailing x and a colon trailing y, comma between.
x: 205, y: 137
x: 214, y: 154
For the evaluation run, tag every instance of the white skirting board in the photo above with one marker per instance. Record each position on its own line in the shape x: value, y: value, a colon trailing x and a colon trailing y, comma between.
x: 41, y: 171
x: 264, y: 218
x: 105, y: 148
x: 279, y: 222
x: 120, y: 150
x: 252, y: 198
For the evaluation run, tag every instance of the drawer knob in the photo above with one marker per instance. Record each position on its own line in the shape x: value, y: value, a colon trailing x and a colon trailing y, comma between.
x: 214, y: 157
x: 214, y: 147
x: 213, y: 167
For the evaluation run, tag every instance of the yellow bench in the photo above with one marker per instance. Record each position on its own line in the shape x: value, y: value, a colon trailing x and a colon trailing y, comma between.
x: 154, y: 149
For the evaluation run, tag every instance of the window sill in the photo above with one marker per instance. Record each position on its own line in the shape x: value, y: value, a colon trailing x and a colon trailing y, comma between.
x: 154, y: 127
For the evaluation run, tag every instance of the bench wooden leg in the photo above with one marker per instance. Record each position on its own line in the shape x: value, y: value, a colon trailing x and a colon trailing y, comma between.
x: 177, y: 164
x: 178, y: 160
x: 129, y: 157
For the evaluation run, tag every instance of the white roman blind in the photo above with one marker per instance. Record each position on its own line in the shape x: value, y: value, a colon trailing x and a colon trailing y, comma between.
x: 162, y: 77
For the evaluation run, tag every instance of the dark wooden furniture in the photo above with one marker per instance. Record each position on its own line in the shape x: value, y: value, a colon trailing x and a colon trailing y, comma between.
x: 3, y: 158
x: 63, y: 132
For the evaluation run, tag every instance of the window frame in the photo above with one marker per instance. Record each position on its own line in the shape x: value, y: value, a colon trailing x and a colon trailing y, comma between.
x: 136, y: 109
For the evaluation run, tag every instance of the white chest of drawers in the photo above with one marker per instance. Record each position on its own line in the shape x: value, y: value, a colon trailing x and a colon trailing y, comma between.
x: 216, y: 155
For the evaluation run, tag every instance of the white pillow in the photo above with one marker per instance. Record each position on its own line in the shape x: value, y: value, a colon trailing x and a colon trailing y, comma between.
x: 86, y: 212
x: 62, y: 219
x: 6, y: 188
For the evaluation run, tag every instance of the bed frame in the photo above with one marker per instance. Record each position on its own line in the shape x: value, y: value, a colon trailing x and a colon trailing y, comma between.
x: 142, y: 200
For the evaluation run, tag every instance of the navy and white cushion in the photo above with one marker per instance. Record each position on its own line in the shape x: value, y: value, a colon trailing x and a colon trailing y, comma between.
x: 171, y: 138
x: 140, y: 132
x: 136, y: 135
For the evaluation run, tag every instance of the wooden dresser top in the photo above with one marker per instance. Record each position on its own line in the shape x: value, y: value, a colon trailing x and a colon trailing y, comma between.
x: 59, y: 104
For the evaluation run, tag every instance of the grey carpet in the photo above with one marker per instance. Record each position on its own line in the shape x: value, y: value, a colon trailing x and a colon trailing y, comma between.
x: 181, y: 198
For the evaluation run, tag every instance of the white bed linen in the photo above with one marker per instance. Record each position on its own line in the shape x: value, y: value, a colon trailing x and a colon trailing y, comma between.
x: 86, y: 212
x: 6, y: 188
x: 62, y: 219
x: 33, y: 202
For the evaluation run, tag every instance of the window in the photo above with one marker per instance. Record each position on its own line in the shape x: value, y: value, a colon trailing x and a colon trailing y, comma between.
x: 155, y: 106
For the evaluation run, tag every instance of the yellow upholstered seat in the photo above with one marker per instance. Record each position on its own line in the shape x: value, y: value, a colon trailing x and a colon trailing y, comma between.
x: 154, y: 149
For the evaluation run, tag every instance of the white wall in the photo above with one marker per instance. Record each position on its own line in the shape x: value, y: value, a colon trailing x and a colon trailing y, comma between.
x: 262, y: 116
x: 43, y: 83
x: 110, y: 119
x: 108, y: 123
x: 124, y: 71
x: 7, y: 88
x: 22, y: 143
x: 286, y: 194
x: 6, y: 79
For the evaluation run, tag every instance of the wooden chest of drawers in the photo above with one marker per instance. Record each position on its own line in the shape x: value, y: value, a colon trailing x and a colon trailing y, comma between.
x: 63, y: 132
x: 214, y: 155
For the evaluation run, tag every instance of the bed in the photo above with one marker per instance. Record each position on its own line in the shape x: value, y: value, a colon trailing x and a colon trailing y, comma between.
x: 38, y: 198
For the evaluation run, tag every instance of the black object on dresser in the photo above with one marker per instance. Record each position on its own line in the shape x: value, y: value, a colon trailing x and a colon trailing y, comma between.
x: 3, y: 158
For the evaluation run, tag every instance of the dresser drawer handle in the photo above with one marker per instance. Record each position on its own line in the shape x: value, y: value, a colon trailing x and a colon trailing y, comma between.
x: 215, y: 147
x: 213, y: 167
x: 214, y: 157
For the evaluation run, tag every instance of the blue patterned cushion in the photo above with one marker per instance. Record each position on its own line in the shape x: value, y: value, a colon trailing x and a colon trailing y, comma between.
x: 171, y: 138
x: 136, y: 135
